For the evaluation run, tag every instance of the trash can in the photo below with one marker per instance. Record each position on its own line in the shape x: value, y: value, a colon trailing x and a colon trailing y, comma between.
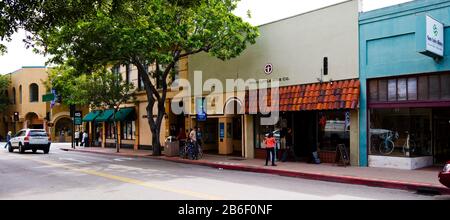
x: 172, y: 147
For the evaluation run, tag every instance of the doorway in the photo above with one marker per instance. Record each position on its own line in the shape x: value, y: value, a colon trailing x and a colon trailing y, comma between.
x: 441, y: 136
x: 305, y: 134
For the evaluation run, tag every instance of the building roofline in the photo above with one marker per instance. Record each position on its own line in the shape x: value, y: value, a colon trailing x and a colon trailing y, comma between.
x: 404, y: 9
x: 304, y: 13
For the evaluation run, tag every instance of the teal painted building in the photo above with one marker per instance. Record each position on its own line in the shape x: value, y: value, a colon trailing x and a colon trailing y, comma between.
x: 405, y: 85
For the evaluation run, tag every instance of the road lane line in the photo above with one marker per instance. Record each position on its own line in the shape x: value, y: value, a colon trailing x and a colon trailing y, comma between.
x: 128, y: 180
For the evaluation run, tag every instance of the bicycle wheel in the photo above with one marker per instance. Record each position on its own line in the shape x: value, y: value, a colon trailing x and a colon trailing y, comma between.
x: 386, y: 147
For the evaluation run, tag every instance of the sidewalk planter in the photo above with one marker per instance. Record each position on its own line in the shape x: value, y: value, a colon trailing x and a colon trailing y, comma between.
x: 403, y: 163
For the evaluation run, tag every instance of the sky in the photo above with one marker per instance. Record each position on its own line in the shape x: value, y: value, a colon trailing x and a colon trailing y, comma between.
x: 262, y: 11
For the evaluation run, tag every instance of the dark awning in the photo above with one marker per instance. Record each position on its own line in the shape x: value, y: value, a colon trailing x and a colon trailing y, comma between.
x: 125, y: 114
x: 91, y: 116
x: 105, y: 115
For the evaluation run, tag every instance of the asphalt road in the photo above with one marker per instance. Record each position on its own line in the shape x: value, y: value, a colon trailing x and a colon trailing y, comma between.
x: 79, y: 176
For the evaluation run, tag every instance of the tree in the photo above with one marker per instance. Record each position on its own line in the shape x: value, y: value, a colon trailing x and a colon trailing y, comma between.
x: 144, y: 33
x: 4, y: 98
x: 100, y: 90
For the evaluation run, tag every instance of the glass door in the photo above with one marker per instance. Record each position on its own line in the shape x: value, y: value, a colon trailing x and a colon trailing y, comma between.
x: 441, y: 136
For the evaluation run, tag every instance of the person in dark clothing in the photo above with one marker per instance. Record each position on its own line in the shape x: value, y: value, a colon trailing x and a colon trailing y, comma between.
x: 289, y: 146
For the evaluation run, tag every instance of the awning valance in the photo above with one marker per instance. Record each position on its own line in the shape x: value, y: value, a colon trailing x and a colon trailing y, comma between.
x: 105, y: 115
x: 91, y: 116
x: 320, y: 96
x: 125, y: 114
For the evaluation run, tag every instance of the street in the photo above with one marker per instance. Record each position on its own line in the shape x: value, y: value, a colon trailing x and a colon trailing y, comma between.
x: 80, y: 176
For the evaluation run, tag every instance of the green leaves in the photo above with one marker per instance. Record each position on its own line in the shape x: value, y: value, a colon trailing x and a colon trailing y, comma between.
x: 4, y: 86
x: 101, y: 89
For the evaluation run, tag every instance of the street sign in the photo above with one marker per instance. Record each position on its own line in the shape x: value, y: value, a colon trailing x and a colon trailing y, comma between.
x: 78, y: 119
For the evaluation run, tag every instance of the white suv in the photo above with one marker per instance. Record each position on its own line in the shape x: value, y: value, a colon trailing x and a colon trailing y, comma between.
x: 30, y: 139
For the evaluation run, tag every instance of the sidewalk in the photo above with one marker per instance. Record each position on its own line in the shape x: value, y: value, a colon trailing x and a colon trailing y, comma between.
x: 425, y: 179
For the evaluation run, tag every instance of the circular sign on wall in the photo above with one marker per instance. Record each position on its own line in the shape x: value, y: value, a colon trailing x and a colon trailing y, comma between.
x: 268, y: 69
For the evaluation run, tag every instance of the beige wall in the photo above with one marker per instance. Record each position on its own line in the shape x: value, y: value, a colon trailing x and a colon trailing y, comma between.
x: 25, y: 77
x: 296, y: 48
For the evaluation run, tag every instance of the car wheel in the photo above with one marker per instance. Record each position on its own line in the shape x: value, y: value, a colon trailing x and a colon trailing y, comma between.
x: 47, y: 150
x: 10, y: 148
x: 34, y: 151
x: 21, y: 149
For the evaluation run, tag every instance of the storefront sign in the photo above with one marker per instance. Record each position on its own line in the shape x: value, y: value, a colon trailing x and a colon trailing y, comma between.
x: 201, y: 112
x: 222, y: 131
x: 430, y: 37
x: 268, y: 69
x: 78, y: 119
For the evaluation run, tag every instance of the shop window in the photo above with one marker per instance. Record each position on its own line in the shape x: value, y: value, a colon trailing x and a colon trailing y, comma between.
x: 382, y: 90
x: 423, y: 88
x: 412, y: 89
x: 392, y: 90
x: 110, y: 131
x: 373, y: 88
x: 334, y: 129
x: 445, y: 86
x: 128, y: 130
x: 401, y: 132
x: 402, y: 90
x: 434, y: 86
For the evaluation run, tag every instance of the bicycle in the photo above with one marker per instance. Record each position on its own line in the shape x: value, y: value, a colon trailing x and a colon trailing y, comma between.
x: 409, y: 146
x: 387, y: 145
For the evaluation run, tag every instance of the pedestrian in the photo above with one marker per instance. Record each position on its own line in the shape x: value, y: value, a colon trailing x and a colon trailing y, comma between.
x: 85, y: 139
x: 194, y: 141
x: 77, y: 137
x: 199, y: 136
x: 270, y: 143
x: 289, y: 146
x: 62, y: 138
x: 8, y: 138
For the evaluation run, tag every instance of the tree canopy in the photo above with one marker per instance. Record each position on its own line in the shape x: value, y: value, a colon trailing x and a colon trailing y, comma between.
x: 88, y: 35
x: 4, y: 98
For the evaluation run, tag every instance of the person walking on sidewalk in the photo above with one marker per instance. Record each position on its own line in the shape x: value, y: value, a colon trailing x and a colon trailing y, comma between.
x: 270, y: 143
x: 8, y: 138
x: 77, y: 137
x: 85, y: 139
x: 289, y: 147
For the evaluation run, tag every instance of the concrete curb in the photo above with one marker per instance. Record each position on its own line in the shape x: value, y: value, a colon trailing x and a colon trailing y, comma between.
x: 389, y: 184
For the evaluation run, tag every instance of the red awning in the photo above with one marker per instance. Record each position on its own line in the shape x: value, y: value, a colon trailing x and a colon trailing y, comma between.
x: 312, y: 97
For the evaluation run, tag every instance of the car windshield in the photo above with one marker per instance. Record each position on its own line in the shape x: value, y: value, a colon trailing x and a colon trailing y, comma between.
x: 38, y: 134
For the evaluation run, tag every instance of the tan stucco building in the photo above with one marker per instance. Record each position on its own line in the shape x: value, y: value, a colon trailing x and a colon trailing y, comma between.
x: 26, y: 94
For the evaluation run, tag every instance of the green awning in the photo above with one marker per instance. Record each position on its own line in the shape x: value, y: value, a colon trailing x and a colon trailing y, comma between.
x: 105, y: 115
x: 125, y: 114
x: 91, y: 116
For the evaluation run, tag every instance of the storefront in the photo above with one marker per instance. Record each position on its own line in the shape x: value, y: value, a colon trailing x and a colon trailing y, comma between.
x: 102, y: 131
x: 320, y: 117
x: 405, y: 77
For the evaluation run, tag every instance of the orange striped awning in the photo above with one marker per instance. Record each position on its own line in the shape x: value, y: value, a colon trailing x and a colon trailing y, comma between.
x: 313, y: 97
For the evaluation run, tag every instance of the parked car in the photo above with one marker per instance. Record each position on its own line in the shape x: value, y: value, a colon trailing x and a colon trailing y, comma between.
x: 444, y: 176
x: 30, y: 139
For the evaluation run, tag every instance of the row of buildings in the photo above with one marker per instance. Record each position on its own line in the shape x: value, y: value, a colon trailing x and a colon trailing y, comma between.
x: 377, y: 82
